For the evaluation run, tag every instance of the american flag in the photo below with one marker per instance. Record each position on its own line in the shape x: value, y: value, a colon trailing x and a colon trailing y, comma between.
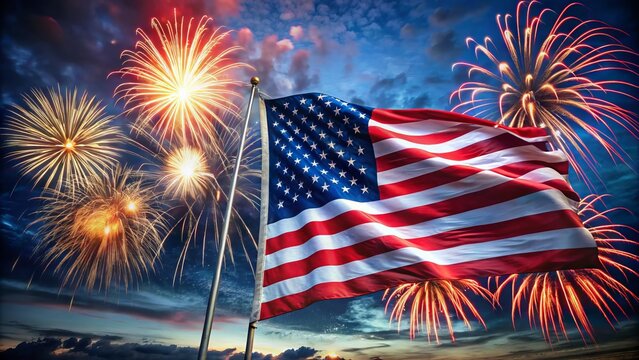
x: 355, y: 200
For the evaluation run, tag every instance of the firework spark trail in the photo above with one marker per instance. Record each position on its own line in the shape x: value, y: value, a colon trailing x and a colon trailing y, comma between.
x: 106, y: 233
x: 429, y: 301
x: 548, y: 294
x: 194, y: 181
x: 61, y: 138
x: 564, y: 75
x: 179, y: 79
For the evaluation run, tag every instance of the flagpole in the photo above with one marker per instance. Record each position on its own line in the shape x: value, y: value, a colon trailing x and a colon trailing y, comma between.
x: 248, y: 352
x: 215, y: 286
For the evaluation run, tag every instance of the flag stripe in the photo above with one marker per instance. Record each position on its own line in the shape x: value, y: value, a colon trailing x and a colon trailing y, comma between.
x: 548, y: 200
x: 540, y: 261
x: 567, y: 238
x: 474, y: 234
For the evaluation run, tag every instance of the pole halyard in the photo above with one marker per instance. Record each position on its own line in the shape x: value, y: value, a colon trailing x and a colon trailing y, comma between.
x: 215, y: 286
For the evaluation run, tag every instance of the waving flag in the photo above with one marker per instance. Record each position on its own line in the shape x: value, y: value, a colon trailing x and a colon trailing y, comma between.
x: 355, y: 200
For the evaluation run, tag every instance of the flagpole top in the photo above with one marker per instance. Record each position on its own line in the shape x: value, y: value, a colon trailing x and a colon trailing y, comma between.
x: 255, y: 80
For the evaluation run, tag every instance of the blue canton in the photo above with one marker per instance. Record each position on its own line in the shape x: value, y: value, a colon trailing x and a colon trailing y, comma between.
x: 319, y: 151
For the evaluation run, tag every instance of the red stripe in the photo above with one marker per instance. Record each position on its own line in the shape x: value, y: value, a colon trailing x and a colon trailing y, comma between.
x: 378, y: 134
x: 494, y: 195
x: 388, y: 116
x: 512, y: 264
x: 553, y: 220
x: 458, y: 172
x: 488, y: 146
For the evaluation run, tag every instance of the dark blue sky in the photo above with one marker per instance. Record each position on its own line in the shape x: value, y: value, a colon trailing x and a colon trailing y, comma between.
x: 375, y: 53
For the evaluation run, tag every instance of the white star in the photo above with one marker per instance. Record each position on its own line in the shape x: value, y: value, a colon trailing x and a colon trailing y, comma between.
x: 353, y: 181
x: 304, y: 119
x: 303, y: 101
x: 289, y: 123
x: 345, y: 119
x: 285, y: 171
x: 283, y: 131
x: 356, y: 129
x: 280, y: 204
x: 314, y: 178
x: 322, y: 135
x: 313, y: 146
x: 308, y: 194
x: 285, y: 105
x: 344, y: 103
x: 323, y: 155
x: 290, y: 139
x: 277, y: 141
x: 286, y: 191
x: 298, y: 147
x: 325, y: 187
x: 334, y: 181
x: 295, y: 198
x: 336, y: 111
x: 292, y: 176
x: 362, y: 116
x: 331, y: 145
x: 313, y: 126
x: 349, y: 142
x: 362, y: 170
x: 305, y: 138
x: 321, y: 97
x: 340, y: 133
x: 320, y: 116
x: 300, y: 185
x: 311, y: 107
x: 273, y: 108
x: 353, y: 109
x: 289, y: 154
x: 340, y: 153
x: 295, y: 111
x: 276, y: 124
x: 331, y: 165
x: 296, y: 131
x: 342, y: 174
x: 306, y: 156
x: 305, y: 168
x: 282, y: 116
x: 329, y: 124
x: 360, y: 151
x: 279, y: 184
x: 278, y: 164
x: 283, y: 147
x: 324, y: 171
x: 314, y: 163
x: 364, y: 189
x: 327, y: 103
x: 345, y: 189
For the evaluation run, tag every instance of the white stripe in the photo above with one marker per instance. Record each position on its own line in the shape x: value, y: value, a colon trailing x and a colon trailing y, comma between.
x: 431, y: 126
x: 391, y: 145
x: 571, y: 238
x: 536, y: 203
x: 487, y: 161
x: 477, y: 182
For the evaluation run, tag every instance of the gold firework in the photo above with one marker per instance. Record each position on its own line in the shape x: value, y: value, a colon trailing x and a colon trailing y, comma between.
x: 564, y: 75
x: 186, y: 173
x: 107, y: 232
x: 179, y: 80
x: 558, y: 296
x: 61, y: 138
x: 432, y: 300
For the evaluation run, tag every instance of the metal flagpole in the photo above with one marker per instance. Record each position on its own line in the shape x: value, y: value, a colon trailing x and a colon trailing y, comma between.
x: 215, y: 286
x: 248, y: 352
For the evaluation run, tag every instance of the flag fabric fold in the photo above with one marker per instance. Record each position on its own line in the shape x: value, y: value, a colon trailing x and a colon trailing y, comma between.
x: 356, y: 200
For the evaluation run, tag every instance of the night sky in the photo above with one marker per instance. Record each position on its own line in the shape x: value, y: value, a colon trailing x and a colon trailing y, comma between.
x: 374, y: 53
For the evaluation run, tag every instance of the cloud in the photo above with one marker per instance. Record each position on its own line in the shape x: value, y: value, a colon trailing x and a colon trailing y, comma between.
x: 443, y: 46
x: 296, y: 32
x: 299, y: 71
x: 447, y: 16
x: 72, y: 349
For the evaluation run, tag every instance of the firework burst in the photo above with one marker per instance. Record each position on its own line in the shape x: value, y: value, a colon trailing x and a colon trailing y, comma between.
x: 178, y: 79
x: 194, y: 181
x: 107, y: 232
x: 61, y: 138
x: 564, y: 75
x: 549, y: 294
x: 430, y: 301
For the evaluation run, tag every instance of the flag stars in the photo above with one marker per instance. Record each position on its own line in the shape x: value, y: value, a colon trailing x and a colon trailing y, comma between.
x: 286, y: 191
x: 281, y: 116
x: 336, y: 111
x: 295, y: 197
x: 320, y: 97
x: 295, y: 111
x: 296, y: 131
x: 345, y: 189
x: 325, y: 187
x: 362, y: 116
x: 340, y: 133
x: 293, y: 177
x: 280, y: 204
x: 289, y: 123
x: 273, y: 108
x: 308, y: 194
x: 360, y: 150
x: 311, y: 108
x: 353, y: 181
x: 313, y: 127
x: 349, y: 142
x: 346, y: 120
x: 314, y: 178
x: 342, y: 174
x: 300, y: 185
x: 279, y: 184
x: 332, y: 165
x: 331, y: 145
x: 322, y: 135
x: 364, y: 189
x: 329, y: 124
x: 351, y: 162
x: 356, y: 129
x: 321, y: 117
x: 285, y: 105
x: 362, y: 170
x: 322, y: 155
x: 304, y: 118
x: 285, y: 171
x: 340, y: 153
x: 306, y: 168
x: 314, y: 163
x: 278, y: 164
x: 302, y: 101
x: 323, y: 171
x: 334, y: 181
